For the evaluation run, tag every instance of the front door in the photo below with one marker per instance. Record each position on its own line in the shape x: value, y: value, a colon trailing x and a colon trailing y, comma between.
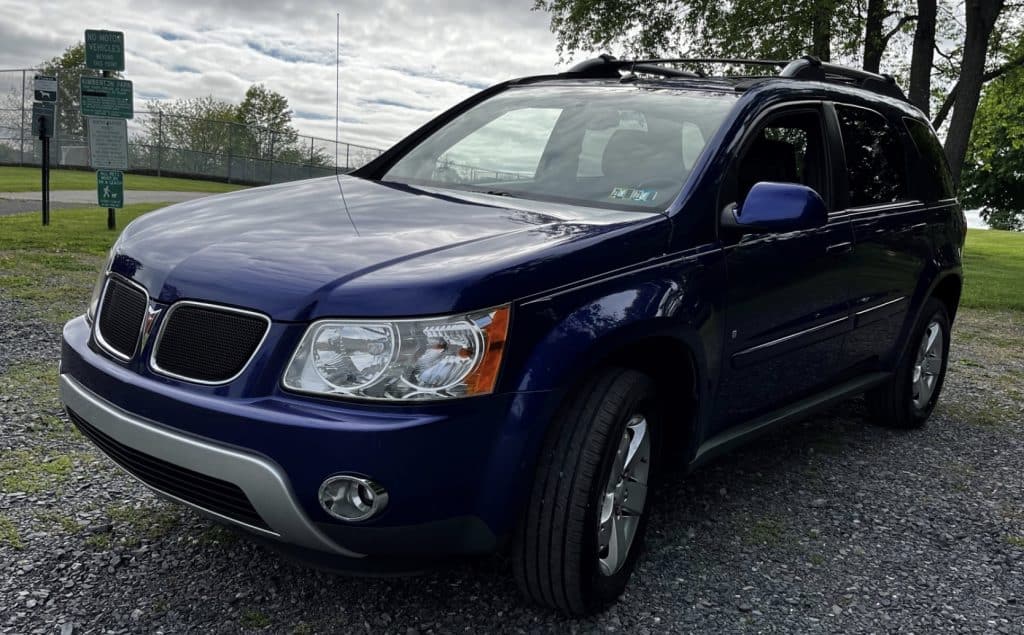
x: 787, y: 300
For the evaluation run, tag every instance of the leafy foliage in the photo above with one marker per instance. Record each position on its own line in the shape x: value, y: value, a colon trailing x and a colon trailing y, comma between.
x: 207, y: 129
x: 993, y: 176
x: 772, y: 29
x: 69, y: 67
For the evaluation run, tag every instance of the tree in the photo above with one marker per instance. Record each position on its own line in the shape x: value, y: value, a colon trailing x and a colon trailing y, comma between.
x: 269, y: 119
x: 779, y: 29
x: 920, y: 92
x: 981, y: 19
x: 69, y: 68
x: 993, y: 175
x: 189, y: 134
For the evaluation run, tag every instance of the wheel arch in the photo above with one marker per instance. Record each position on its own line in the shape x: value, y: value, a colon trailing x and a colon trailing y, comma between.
x: 947, y: 290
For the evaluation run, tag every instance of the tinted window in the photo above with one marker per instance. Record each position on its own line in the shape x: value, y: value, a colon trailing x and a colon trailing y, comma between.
x: 875, y: 164
x: 788, y: 149
x: 933, y: 171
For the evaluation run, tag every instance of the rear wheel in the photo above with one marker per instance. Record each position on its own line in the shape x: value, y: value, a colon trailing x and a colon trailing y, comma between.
x: 908, y: 400
x: 583, y: 528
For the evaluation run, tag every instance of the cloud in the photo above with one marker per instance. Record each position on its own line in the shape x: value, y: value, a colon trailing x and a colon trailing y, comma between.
x: 402, y: 61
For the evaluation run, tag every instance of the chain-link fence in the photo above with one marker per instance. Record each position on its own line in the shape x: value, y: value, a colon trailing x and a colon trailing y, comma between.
x: 170, y: 145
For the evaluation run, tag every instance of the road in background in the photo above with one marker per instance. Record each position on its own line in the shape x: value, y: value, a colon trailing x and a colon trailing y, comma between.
x: 18, y: 202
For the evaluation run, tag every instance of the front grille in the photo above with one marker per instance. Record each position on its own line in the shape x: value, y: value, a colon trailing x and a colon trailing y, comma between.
x: 207, y: 344
x: 122, y: 310
x: 212, y: 494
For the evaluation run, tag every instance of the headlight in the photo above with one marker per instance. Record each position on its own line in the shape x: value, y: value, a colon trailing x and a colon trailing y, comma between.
x: 440, y: 358
x: 97, y: 289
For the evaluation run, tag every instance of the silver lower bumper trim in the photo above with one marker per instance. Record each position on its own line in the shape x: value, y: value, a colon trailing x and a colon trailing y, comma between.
x: 263, y: 482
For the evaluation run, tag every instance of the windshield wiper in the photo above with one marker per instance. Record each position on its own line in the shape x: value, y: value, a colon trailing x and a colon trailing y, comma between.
x: 502, y: 193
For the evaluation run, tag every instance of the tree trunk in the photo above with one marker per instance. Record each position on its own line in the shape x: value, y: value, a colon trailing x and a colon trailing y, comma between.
x: 981, y: 18
x: 821, y: 29
x: 874, y: 45
x: 921, y: 58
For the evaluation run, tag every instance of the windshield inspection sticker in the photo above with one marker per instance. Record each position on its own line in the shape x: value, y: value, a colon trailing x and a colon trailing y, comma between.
x: 634, y: 194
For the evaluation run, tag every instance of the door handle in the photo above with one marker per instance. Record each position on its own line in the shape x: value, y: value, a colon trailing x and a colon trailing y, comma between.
x: 840, y: 248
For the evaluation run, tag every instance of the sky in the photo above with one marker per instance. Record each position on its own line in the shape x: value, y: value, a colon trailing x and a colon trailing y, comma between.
x: 402, y: 61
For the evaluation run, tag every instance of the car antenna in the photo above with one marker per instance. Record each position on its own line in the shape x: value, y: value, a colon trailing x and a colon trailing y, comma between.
x: 337, y: 119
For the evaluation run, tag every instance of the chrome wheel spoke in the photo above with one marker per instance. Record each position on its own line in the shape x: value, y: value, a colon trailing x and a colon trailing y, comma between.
x: 634, y: 497
x: 625, y: 496
x: 928, y: 367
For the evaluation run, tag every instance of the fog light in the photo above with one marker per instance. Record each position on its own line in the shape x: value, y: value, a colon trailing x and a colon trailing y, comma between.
x: 352, y: 498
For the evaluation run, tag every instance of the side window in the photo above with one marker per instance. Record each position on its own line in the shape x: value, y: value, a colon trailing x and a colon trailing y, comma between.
x: 933, y: 170
x: 788, y: 149
x: 875, y: 163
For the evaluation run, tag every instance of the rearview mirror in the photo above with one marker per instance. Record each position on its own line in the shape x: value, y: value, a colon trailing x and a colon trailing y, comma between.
x: 777, y: 208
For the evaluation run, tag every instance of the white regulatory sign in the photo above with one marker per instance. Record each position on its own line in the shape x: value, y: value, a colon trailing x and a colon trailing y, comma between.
x: 108, y: 143
x: 44, y: 88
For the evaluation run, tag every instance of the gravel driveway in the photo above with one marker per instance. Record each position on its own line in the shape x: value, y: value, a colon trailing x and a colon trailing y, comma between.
x: 832, y: 525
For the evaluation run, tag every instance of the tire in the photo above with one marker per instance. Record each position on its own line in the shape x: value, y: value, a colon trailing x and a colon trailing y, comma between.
x: 905, y: 402
x: 562, y: 555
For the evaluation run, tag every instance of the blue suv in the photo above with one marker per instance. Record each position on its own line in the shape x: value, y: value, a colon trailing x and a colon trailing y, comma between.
x: 494, y: 337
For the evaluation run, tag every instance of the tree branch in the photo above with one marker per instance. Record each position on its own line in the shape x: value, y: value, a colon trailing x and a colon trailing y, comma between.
x: 947, y: 103
x: 896, y: 29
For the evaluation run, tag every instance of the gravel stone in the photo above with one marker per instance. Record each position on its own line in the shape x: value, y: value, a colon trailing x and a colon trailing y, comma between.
x: 830, y: 525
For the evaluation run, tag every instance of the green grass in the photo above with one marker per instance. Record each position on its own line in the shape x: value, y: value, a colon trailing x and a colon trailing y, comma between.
x: 14, y: 179
x: 764, y: 531
x: 9, y: 533
x: 25, y: 471
x: 71, y: 233
x: 150, y: 522
x: 994, y: 270
x: 252, y: 619
x: 52, y: 269
x: 49, y: 519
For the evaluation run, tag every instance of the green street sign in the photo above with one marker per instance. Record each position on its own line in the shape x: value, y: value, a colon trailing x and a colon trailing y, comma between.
x: 105, y: 97
x: 104, y: 50
x: 110, y: 188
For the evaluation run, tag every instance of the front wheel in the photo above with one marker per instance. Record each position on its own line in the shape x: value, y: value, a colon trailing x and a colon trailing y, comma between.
x: 583, y: 527
x: 908, y: 400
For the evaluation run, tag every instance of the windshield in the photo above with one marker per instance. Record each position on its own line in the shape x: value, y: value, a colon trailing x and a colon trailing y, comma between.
x: 628, y: 147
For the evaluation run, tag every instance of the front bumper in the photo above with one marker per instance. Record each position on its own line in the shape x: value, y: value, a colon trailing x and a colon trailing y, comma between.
x: 264, y: 483
x: 456, y: 474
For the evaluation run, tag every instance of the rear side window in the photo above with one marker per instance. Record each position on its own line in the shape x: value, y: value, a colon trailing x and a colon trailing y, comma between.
x: 933, y: 171
x: 875, y: 163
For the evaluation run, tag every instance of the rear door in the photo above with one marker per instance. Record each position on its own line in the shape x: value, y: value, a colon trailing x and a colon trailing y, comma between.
x: 787, y: 295
x: 890, y: 225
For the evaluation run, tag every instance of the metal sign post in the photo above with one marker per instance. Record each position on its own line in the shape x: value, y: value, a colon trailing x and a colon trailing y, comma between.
x: 44, y: 112
x: 113, y: 100
x: 44, y: 137
x: 111, y: 214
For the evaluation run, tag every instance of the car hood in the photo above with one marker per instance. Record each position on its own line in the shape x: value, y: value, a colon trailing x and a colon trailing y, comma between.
x: 349, y: 247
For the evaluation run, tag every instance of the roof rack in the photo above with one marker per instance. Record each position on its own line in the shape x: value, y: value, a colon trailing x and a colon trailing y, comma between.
x: 807, y: 67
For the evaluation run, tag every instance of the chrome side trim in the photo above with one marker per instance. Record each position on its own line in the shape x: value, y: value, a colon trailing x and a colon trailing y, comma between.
x: 881, y: 306
x: 98, y: 336
x: 216, y: 307
x: 791, y: 336
x: 263, y: 481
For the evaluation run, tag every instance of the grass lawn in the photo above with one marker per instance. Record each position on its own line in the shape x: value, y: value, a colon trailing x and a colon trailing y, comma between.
x: 52, y: 269
x: 993, y: 270
x: 15, y: 179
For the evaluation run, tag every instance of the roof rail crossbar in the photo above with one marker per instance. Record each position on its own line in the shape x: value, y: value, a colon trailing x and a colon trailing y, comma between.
x: 807, y: 67
x: 607, y: 65
x: 812, y: 68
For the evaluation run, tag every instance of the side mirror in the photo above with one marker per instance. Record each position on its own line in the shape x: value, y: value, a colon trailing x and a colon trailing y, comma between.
x: 777, y: 208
